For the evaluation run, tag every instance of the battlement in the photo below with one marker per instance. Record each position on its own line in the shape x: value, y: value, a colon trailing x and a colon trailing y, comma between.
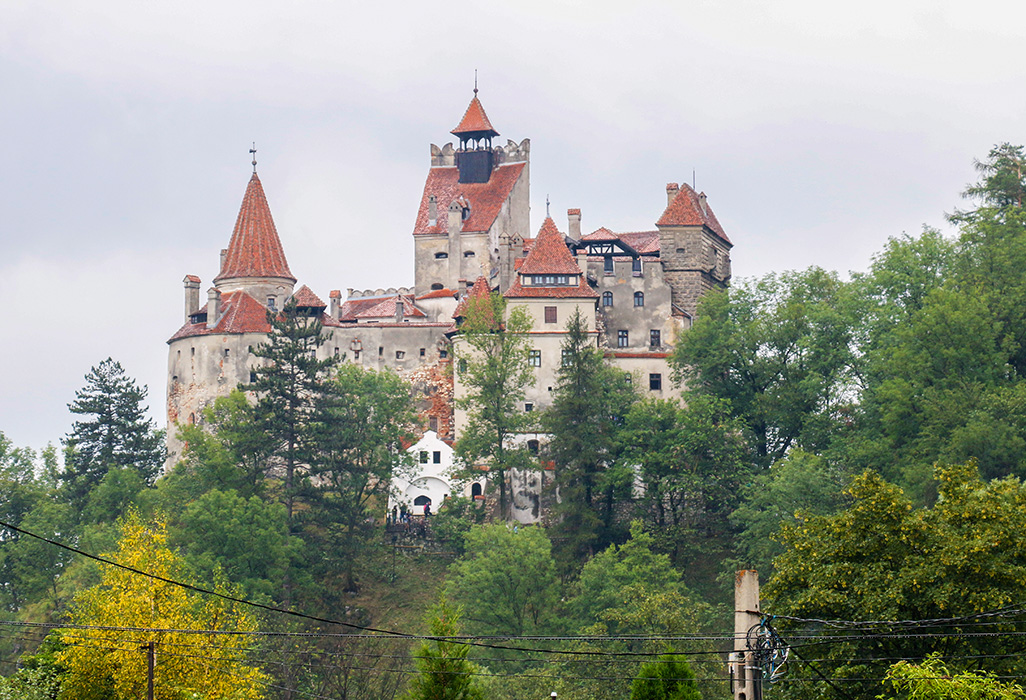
x: 369, y: 293
x: 512, y: 152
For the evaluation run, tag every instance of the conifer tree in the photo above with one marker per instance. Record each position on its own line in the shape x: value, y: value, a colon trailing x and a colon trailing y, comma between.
x: 445, y: 672
x: 113, y: 433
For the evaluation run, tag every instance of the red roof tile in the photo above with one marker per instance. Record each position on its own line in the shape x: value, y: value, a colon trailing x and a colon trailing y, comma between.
x: 485, y: 198
x: 602, y: 234
x: 352, y: 307
x: 642, y: 241
x: 549, y: 254
x: 240, y: 313
x: 439, y: 294
x: 475, y: 120
x: 192, y: 278
x: 686, y: 210
x: 255, y: 249
x: 581, y: 291
x: 385, y: 308
x: 305, y: 297
x: 481, y: 289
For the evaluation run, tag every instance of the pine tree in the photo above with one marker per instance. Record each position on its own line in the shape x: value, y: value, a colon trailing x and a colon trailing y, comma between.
x: 115, y: 432
x: 445, y: 672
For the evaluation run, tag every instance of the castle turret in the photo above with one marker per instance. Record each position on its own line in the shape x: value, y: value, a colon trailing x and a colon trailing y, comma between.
x: 475, y: 159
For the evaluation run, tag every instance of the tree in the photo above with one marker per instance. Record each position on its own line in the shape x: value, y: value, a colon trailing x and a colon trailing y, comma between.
x: 444, y: 671
x: 114, y: 433
x: 780, y: 350
x: 107, y: 664
x: 589, y: 402
x: 885, y: 559
x: 669, y: 677
x: 492, y: 361
x: 506, y: 580
x: 362, y: 423
x: 1004, y: 179
x: 931, y: 680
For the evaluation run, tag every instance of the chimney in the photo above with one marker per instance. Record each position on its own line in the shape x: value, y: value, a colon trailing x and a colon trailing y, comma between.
x: 213, y: 306
x: 398, y: 308
x: 582, y: 260
x: 574, y: 227
x: 335, y: 300
x: 701, y: 202
x: 672, y: 189
x: 192, y: 286
x: 432, y: 210
x: 455, y: 221
x: 224, y: 254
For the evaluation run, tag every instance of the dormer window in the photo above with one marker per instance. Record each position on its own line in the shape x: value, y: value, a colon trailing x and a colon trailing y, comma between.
x: 550, y: 280
x: 465, y: 214
x: 271, y: 303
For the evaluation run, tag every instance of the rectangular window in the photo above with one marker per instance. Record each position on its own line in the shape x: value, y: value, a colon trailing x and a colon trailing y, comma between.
x: 550, y: 314
x: 400, y: 354
x: 636, y: 267
x: 607, y: 266
x: 622, y: 339
x: 433, y: 423
x: 423, y: 352
x: 565, y: 357
x: 423, y: 457
x: 655, y: 382
x: 654, y: 338
x: 534, y: 358
x: 628, y: 378
x: 381, y: 352
x: 437, y: 457
x: 528, y: 407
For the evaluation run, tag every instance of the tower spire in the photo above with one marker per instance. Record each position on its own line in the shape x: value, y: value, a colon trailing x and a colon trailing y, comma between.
x: 252, y: 152
x: 475, y: 82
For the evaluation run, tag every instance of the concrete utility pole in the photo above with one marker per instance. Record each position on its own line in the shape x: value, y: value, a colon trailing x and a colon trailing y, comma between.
x: 149, y: 648
x: 745, y: 674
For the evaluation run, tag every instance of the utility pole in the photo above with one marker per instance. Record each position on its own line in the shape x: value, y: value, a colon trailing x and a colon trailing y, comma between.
x: 150, y: 649
x: 745, y: 673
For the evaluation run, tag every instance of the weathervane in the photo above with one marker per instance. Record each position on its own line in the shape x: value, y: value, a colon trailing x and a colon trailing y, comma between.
x: 546, y: 206
x: 253, y: 152
x: 475, y: 82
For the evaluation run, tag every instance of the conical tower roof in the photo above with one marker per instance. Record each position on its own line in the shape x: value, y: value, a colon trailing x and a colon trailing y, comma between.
x: 255, y: 249
x: 549, y: 254
x: 475, y: 122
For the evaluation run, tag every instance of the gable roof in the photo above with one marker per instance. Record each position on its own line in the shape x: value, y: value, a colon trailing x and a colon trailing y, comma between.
x: 240, y: 313
x: 481, y: 290
x: 305, y: 297
x: 549, y: 254
x: 255, y: 249
x: 385, y: 308
x: 687, y: 209
x: 485, y: 198
x: 475, y: 121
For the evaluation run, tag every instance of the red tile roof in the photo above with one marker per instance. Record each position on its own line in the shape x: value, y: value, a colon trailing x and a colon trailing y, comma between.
x: 240, y: 313
x: 642, y: 241
x: 581, y: 291
x: 602, y: 234
x: 385, y: 308
x: 192, y: 278
x: 305, y: 297
x: 485, y: 198
x: 549, y: 254
x: 439, y: 294
x: 255, y: 249
x: 481, y: 290
x: 475, y: 120
x: 686, y: 210
x: 352, y: 307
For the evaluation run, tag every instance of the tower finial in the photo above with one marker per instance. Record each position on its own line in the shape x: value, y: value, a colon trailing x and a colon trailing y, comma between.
x: 547, y: 207
x: 475, y: 82
x: 253, y: 152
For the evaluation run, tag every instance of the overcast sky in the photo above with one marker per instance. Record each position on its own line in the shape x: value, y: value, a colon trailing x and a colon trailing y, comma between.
x: 816, y: 129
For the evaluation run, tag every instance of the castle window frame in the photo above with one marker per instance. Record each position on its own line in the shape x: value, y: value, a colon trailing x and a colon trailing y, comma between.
x: 550, y: 315
x: 400, y: 354
x: 636, y: 267
x: 623, y: 339
x: 533, y: 446
x: 607, y: 265
x: 423, y: 352
x: 655, y: 338
x: 655, y: 381
x: 534, y: 358
x: 469, y: 254
x: 441, y: 256
x: 607, y: 299
x: 436, y: 458
x: 639, y: 299
x: 550, y: 280
x: 528, y: 407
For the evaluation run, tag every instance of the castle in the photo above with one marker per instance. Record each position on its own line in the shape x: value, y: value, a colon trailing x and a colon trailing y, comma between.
x: 637, y: 290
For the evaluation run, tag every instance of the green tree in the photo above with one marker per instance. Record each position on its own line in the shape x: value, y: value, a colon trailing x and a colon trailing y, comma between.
x: 363, y: 422
x: 114, y: 431
x: 287, y: 386
x: 589, y: 402
x: 107, y: 664
x: 885, y: 559
x: 780, y: 349
x: 931, y: 680
x: 506, y: 580
x: 444, y: 671
x: 669, y: 677
x: 493, y: 369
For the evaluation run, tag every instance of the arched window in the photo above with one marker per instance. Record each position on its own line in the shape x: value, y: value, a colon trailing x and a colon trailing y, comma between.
x: 639, y: 298
x: 475, y: 490
x: 436, y: 286
x: 421, y: 501
x: 607, y: 298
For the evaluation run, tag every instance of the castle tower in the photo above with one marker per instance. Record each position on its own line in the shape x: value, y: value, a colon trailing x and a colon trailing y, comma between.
x: 693, y: 248
x: 474, y: 195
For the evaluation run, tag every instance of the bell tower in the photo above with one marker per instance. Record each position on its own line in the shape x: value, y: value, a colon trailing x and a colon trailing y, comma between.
x: 475, y: 158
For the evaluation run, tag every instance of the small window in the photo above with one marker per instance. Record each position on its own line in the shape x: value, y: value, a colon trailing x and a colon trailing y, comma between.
x: 655, y: 382
x: 532, y: 446
x: 466, y: 214
x: 475, y: 490
x: 226, y: 352
x: 271, y: 303
x: 461, y: 366
x: 443, y: 353
x: 433, y: 423
x: 193, y: 351
x: 528, y: 407
x: 400, y: 354
x: 423, y: 352
x: 336, y: 352
x: 622, y: 339
x: 468, y: 254
x: 550, y: 314
x: 441, y: 256
x: 565, y: 357
x: 655, y: 338
x: 534, y: 358
x: 639, y: 298
x: 436, y: 286
x: 423, y: 457
x: 436, y: 457
x: 381, y: 351
x: 628, y: 378
x: 636, y: 267
x: 607, y: 298
x: 607, y: 266
x: 252, y: 377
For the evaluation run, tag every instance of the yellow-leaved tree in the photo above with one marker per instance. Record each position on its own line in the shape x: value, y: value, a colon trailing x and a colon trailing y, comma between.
x: 199, y: 652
